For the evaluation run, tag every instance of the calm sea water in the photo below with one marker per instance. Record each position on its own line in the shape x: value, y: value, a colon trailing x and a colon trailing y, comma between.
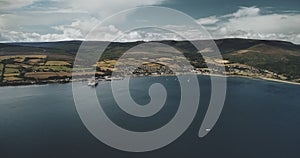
x: 260, y: 119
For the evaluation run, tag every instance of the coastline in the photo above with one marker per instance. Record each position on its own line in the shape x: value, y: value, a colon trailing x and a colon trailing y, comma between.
x: 259, y: 78
x: 266, y: 79
x: 211, y: 75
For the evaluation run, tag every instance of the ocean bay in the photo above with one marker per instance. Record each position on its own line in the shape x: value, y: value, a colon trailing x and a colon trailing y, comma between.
x: 260, y: 119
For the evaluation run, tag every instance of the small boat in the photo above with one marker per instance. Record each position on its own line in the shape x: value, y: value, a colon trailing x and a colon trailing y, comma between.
x: 207, y: 129
x: 108, y: 78
x: 93, y: 82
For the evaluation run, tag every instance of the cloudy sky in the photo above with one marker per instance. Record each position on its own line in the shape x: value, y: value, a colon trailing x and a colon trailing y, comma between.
x: 56, y: 20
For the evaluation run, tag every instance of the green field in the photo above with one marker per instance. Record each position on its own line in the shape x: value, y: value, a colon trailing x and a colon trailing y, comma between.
x: 277, y: 57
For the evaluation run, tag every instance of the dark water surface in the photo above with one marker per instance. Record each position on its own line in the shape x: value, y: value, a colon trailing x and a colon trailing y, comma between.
x: 260, y: 119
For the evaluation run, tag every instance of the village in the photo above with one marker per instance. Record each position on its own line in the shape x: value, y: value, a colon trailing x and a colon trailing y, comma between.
x: 38, y: 69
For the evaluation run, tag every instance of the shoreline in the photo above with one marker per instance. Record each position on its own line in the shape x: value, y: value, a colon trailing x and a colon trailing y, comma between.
x: 266, y: 79
x: 210, y: 75
x: 255, y: 78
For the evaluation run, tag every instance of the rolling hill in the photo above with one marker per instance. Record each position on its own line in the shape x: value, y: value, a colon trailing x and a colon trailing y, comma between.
x: 278, y: 57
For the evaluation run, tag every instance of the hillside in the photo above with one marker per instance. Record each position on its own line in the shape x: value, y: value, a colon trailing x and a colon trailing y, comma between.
x: 275, y: 58
x: 44, y: 61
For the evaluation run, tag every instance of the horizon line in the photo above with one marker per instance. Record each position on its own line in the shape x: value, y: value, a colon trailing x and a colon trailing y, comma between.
x: 82, y: 40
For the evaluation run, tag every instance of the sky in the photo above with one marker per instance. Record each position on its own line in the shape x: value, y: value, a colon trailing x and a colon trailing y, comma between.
x: 57, y: 20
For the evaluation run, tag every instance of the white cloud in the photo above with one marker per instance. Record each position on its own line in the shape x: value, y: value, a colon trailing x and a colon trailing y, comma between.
x: 246, y: 12
x: 273, y: 23
x: 208, y: 20
x: 76, y: 30
x: 60, y: 19
x: 15, y: 36
x: 250, y: 23
x: 82, y: 26
x: 146, y: 36
x: 13, y: 4
x: 246, y: 22
x: 104, y: 8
